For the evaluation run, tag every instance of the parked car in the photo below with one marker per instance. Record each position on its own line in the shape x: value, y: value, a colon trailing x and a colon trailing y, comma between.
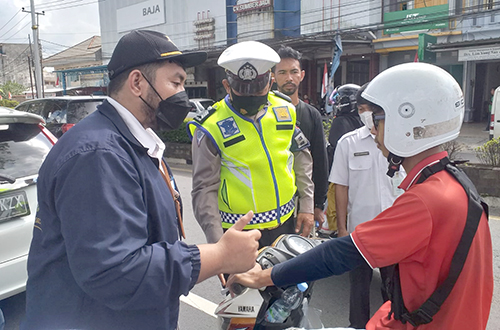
x: 62, y: 112
x: 24, y: 144
x: 200, y: 105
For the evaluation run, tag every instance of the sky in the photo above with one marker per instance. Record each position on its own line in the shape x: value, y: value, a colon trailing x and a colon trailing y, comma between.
x: 65, y: 23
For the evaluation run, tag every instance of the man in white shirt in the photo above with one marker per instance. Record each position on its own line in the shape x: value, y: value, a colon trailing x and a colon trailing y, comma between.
x: 362, y: 191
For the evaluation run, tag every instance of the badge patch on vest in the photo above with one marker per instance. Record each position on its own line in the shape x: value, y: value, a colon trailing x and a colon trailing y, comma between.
x: 282, y: 113
x: 228, y: 127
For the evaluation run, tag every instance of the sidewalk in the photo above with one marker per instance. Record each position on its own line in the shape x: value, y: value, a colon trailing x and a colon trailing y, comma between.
x: 472, y: 135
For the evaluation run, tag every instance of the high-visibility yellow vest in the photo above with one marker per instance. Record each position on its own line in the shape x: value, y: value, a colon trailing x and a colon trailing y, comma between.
x: 256, y: 165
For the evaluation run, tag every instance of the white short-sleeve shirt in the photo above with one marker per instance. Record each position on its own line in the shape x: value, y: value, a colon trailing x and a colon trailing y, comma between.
x: 361, y: 166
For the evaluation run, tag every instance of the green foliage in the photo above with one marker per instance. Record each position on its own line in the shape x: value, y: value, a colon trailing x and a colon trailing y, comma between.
x: 12, y: 87
x: 178, y: 136
x: 8, y: 103
x: 489, y: 153
x: 326, y: 127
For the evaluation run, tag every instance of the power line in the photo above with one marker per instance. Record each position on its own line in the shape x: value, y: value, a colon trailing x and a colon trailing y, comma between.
x: 10, y: 19
x: 20, y: 30
x: 74, y: 6
x: 14, y: 26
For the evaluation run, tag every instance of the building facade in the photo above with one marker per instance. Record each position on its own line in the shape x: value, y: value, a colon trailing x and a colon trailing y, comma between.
x: 461, y: 37
x: 14, y: 63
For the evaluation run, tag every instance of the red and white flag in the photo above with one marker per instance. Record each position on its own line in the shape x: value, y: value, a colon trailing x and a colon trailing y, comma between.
x: 416, y: 57
x: 10, y: 96
x: 324, y: 85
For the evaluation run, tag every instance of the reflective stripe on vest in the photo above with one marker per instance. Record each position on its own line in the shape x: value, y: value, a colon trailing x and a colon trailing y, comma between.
x: 266, y: 218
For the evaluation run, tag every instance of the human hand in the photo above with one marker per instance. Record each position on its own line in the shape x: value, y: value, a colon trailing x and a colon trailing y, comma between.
x: 255, y: 278
x: 306, y: 222
x: 342, y: 232
x: 239, y: 248
x: 319, y: 216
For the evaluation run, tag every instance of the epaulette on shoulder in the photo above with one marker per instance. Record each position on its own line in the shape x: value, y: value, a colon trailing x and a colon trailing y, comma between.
x: 200, y: 118
x: 283, y: 96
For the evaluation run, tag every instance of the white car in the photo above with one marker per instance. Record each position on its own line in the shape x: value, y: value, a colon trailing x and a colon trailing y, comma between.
x: 24, y: 144
x: 200, y: 105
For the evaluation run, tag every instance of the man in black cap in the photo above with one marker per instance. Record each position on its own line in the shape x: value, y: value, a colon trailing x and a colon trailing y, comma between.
x: 106, y: 250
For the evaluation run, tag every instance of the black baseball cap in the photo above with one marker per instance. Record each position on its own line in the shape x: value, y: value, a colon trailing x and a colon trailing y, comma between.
x: 144, y: 46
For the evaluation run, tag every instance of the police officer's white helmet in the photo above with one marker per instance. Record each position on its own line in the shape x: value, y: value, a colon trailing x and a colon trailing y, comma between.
x: 248, y: 66
x: 423, y: 104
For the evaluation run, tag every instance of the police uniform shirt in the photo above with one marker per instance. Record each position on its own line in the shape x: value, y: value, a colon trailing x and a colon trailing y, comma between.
x: 206, y: 181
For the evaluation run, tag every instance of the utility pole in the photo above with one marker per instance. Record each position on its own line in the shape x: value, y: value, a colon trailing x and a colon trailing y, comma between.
x: 38, y: 65
x: 30, y: 63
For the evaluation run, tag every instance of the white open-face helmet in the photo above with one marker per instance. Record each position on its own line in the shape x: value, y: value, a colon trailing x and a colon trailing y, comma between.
x: 248, y: 66
x: 423, y: 104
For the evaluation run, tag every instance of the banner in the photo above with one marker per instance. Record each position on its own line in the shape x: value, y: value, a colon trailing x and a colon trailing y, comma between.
x: 337, y: 53
x: 324, y: 83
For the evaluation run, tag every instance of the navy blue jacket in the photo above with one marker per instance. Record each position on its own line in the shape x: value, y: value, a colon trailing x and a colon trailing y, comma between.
x: 105, y: 252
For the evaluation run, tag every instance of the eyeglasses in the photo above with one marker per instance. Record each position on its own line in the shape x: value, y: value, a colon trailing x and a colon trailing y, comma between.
x: 377, y: 119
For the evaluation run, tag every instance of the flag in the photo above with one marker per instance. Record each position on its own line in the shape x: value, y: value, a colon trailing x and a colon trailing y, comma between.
x: 10, y: 96
x: 1, y: 98
x: 337, y: 53
x: 57, y: 80
x: 324, y: 83
x: 416, y: 57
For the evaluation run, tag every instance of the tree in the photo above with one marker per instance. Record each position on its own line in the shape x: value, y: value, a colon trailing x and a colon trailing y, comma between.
x: 12, y: 87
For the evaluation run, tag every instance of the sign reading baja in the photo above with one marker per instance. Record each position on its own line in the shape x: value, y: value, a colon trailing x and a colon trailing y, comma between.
x: 253, y: 5
x: 141, y: 15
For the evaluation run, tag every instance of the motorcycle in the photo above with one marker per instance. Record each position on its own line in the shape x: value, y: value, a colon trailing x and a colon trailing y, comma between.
x: 247, y: 307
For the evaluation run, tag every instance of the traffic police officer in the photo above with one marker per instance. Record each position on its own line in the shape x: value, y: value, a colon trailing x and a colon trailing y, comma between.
x: 248, y: 153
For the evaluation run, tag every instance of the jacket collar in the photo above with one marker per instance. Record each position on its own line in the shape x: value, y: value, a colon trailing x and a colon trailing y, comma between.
x: 107, y: 110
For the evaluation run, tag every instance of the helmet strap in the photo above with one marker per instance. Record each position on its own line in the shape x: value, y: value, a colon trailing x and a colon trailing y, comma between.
x: 394, y: 164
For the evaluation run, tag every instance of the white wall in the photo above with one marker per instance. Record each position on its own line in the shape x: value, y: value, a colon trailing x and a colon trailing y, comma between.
x: 322, y: 15
x: 179, y: 19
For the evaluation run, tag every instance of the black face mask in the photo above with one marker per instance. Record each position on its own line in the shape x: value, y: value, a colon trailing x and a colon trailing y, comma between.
x: 172, y: 111
x: 248, y: 105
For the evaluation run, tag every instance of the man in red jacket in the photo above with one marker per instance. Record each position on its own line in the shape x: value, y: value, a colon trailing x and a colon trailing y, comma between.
x: 416, y: 107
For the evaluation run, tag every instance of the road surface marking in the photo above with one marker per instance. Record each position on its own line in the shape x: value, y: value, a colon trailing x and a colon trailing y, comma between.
x: 200, y: 303
x: 494, y: 218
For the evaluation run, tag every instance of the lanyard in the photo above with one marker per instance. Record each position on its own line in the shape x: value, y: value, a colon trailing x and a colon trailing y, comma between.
x: 175, y: 197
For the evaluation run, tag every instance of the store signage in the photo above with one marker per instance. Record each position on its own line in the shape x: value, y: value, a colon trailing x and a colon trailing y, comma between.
x: 252, y: 5
x: 141, y: 15
x: 477, y: 54
x: 426, y: 18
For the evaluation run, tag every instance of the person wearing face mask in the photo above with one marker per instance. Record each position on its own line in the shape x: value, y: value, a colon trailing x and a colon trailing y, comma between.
x: 362, y: 191
x: 248, y: 153
x: 106, y: 250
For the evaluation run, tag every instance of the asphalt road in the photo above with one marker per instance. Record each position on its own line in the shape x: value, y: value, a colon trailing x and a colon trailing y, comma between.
x: 331, y: 295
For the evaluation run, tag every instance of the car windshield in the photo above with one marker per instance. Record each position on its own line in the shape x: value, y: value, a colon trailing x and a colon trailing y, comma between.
x: 23, y: 148
x: 80, y: 109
